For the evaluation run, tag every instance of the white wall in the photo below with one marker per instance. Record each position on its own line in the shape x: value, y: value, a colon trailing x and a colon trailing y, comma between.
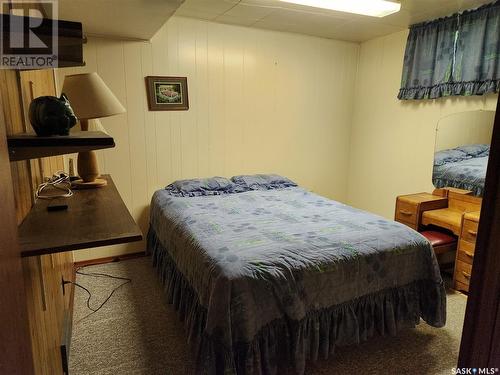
x: 260, y: 101
x: 392, y: 141
x: 464, y: 128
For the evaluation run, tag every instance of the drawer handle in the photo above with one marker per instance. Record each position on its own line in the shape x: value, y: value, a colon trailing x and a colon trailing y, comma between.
x: 407, y: 213
x: 466, y: 275
x: 472, y: 233
x: 469, y: 254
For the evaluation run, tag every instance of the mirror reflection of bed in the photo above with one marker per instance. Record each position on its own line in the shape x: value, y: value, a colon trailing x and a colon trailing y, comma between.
x: 449, y: 216
x: 462, y: 150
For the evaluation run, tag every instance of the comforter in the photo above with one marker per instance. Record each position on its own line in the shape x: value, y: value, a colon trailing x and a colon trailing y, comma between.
x: 269, y: 279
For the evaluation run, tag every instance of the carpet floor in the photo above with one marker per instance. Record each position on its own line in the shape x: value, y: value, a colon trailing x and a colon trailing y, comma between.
x: 137, y: 332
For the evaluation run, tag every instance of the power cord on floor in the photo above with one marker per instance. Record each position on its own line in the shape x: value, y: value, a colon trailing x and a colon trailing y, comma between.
x: 95, y: 274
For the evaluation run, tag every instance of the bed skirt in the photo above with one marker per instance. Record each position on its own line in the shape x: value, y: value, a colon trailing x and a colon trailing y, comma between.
x: 286, y: 343
x: 477, y: 189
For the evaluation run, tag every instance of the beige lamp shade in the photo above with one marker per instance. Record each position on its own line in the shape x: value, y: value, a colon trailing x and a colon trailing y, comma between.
x: 90, y: 97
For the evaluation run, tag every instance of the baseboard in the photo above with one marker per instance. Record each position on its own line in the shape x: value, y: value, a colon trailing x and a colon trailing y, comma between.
x: 116, y: 258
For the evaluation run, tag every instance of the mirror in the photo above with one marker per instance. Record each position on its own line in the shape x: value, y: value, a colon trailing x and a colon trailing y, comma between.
x: 462, y: 150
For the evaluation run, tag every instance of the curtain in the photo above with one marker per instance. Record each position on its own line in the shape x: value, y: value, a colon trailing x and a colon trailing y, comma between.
x: 457, y: 55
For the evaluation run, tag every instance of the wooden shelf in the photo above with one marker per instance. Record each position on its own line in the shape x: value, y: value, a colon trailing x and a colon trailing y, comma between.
x: 30, y: 146
x: 95, y: 217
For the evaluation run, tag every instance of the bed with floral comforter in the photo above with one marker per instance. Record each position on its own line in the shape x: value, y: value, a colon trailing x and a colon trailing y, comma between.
x: 268, y: 276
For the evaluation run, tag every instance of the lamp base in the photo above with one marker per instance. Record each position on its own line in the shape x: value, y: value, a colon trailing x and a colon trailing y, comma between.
x: 80, y: 184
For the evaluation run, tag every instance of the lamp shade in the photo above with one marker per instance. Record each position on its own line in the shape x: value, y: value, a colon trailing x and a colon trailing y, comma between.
x: 90, y: 97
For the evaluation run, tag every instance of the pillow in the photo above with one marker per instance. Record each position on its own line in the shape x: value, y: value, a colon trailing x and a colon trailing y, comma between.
x: 200, y: 186
x: 484, y: 153
x: 262, y: 182
x: 449, y: 156
x: 473, y: 150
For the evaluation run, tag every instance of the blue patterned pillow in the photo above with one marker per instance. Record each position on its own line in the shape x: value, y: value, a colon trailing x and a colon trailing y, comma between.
x: 484, y: 153
x: 201, y: 186
x: 449, y: 156
x: 262, y: 182
x: 474, y: 150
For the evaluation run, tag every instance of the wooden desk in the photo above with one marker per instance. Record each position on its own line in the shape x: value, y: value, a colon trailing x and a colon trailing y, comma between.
x: 451, y: 217
x: 451, y: 209
x: 446, y: 218
x: 95, y: 217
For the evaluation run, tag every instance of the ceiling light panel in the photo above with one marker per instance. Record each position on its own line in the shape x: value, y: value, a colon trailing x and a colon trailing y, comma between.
x: 374, y: 8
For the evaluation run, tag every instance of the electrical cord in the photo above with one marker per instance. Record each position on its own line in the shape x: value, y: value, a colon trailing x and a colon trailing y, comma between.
x: 95, y: 274
x: 59, y: 181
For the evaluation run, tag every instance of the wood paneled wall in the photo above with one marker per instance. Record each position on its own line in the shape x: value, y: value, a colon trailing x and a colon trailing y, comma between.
x: 15, y: 340
x: 260, y: 102
x: 17, y: 90
x: 42, y: 275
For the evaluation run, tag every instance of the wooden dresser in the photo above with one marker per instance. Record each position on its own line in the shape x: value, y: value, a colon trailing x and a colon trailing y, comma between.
x: 465, y: 252
x: 452, y: 210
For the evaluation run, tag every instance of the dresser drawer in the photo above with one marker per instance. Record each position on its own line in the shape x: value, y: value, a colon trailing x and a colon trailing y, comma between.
x: 469, y: 231
x: 466, y: 251
x: 406, y: 212
x: 463, y: 272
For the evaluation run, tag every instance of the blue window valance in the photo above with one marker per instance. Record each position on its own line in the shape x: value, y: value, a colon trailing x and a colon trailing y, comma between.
x: 456, y: 55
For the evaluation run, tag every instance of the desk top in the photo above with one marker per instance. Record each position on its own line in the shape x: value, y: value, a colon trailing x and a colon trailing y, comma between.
x: 95, y: 217
x: 459, y: 205
x: 421, y: 197
x: 445, y: 218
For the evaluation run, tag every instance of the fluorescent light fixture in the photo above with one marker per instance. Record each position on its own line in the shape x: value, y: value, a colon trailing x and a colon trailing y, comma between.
x: 374, y: 8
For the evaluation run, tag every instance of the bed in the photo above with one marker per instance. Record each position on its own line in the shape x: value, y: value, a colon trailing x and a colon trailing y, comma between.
x: 462, y: 167
x: 267, y: 276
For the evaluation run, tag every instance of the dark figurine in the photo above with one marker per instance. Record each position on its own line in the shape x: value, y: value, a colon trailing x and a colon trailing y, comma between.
x: 50, y: 115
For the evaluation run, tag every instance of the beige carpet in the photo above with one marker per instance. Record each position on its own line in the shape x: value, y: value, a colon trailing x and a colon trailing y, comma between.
x: 136, y: 332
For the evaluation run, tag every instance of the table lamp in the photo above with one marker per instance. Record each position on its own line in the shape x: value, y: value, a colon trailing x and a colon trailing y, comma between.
x: 90, y: 98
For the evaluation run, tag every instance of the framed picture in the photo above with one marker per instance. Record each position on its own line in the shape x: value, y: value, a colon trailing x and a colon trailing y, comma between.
x: 167, y: 93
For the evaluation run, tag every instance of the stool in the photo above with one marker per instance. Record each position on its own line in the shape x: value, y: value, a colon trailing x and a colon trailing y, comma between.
x: 442, y: 243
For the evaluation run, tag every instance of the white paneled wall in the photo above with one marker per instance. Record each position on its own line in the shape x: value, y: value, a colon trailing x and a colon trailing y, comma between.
x: 260, y: 101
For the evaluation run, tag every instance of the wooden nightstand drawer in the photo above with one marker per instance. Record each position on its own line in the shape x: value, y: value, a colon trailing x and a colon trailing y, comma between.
x: 466, y: 251
x: 406, y: 212
x: 469, y: 231
x: 463, y: 272
x: 410, y: 207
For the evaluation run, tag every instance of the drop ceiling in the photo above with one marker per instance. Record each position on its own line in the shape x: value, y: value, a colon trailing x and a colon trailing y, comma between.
x: 129, y: 19
x: 281, y: 16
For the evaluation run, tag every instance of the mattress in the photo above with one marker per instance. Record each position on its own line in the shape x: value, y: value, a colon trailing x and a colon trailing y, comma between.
x: 270, y: 279
x: 468, y: 174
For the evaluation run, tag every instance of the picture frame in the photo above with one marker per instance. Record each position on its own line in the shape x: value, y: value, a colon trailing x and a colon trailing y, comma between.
x: 167, y: 93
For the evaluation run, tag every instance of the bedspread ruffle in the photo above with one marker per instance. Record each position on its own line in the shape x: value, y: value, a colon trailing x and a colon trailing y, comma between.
x: 476, y: 187
x: 286, y: 343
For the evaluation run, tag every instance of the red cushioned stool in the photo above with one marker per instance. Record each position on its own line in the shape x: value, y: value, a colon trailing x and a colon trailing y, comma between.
x: 444, y: 245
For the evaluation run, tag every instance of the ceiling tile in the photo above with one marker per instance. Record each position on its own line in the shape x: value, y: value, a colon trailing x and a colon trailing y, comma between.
x: 282, y: 16
x: 214, y: 7
x: 362, y: 31
x: 232, y: 20
x: 248, y: 11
